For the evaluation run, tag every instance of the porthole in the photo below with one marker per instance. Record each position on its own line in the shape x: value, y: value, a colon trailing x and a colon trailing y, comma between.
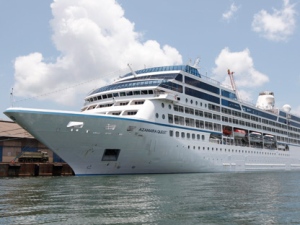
x: 203, y: 137
x: 170, y: 107
x: 186, y: 100
x: 163, y: 116
x: 162, y: 105
x: 156, y: 115
x: 191, y: 101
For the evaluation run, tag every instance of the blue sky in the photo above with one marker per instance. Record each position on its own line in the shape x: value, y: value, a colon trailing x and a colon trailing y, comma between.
x: 52, y: 53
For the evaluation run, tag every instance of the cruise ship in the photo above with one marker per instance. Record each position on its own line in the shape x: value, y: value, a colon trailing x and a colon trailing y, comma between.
x: 168, y: 119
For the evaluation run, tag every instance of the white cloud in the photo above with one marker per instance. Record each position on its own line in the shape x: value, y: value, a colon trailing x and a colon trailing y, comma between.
x: 229, y: 14
x: 245, y: 75
x: 296, y: 111
x: 94, y: 39
x: 277, y: 26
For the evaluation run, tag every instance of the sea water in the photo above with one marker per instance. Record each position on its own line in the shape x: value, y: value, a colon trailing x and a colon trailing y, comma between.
x: 203, y: 198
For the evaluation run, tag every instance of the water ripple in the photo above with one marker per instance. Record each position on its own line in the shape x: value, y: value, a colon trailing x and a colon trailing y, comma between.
x: 240, y: 198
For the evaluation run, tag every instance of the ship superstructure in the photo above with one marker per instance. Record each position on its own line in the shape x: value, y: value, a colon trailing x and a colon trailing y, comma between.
x: 168, y: 119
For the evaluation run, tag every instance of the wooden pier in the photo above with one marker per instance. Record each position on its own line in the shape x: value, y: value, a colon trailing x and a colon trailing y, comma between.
x: 35, y: 169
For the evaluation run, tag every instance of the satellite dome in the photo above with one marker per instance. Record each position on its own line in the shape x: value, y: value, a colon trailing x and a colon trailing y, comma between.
x: 287, y: 108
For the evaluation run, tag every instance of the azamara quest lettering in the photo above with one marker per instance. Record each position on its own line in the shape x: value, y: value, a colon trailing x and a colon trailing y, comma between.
x: 153, y: 131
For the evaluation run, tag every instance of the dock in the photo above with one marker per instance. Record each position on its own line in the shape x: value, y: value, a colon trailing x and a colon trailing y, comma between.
x: 35, y: 169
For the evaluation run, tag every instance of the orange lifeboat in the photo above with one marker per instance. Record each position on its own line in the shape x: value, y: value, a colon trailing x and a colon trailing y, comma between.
x: 227, y: 131
x: 239, y: 133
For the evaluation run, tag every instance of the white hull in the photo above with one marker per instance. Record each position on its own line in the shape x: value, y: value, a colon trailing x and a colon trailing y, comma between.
x: 146, y: 147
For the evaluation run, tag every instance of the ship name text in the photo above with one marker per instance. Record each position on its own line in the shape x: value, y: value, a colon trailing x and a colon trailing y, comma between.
x: 153, y: 131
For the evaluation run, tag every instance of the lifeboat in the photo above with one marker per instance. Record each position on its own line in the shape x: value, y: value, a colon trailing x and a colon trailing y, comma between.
x: 255, y: 137
x: 227, y: 131
x: 269, y: 139
x: 239, y: 133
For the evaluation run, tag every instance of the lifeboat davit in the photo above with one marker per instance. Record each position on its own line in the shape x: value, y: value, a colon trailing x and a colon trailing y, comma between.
x: 239, y: 133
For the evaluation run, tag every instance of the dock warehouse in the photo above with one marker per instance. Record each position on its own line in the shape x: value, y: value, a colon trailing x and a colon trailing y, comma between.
x: 14, y: 140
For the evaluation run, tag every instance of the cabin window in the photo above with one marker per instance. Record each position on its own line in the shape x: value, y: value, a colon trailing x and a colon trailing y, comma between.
x: 208, y: 115
x: 201, y: 124
x: 216, y: 117
x: 130, y: 113
x: 170, y: 118
x: 176, y: 108
x: 138, y: 102
x: 171, y: 133
x: 208, y: 125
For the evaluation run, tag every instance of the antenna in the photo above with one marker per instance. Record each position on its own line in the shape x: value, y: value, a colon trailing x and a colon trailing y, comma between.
x: 196, y: 63
x: 12, y: 97
x: 233, y: 83
x: 132, y: 71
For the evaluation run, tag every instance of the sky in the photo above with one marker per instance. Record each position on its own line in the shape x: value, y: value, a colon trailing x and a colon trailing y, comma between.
x: 53, y: 53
